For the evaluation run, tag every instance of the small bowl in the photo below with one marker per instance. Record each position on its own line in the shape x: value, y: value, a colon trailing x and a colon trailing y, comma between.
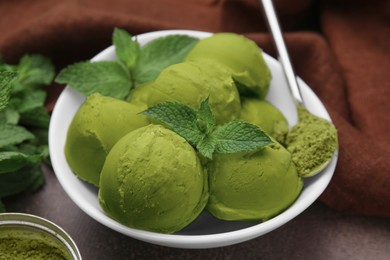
x: 206, y: 231
x: 34, y: 228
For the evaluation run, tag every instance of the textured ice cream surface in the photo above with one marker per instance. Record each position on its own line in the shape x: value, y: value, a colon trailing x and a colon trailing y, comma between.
x: 190, y: 83
x: 98, y: 124
x: 252, y: 186
x: 242, y: 56
x: 266, y: 116
x: 153, y: 180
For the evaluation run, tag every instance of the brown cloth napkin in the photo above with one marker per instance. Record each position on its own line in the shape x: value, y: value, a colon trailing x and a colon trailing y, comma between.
x: 340, y: 48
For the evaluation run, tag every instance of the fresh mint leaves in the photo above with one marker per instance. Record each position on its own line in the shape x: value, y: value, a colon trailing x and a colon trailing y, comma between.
x: 24, y: 124
x: 127, y: 50
x: 30, y: 99
x: 134, y: 65
x: 161, y: 53
x: 13, y: 161
x: 199, y: 129
x: 109, y: 78
x: 106, y: 77
x: 180, y: 118
x: 5, y: 87
x: 204, y: 117
x: 35, y: 71
x: 13, y: 134
x: 239, y: 136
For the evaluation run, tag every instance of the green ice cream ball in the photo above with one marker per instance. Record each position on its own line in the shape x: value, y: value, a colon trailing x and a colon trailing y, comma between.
x: 190, y: 83
x: 253, y: 186
x: 98, y: 124
x: 266, y: 116
x: 242, y: 56
x: 153, y: 180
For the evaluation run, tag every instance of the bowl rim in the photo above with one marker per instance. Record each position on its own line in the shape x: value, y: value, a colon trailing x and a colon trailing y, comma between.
x: 181, y: 240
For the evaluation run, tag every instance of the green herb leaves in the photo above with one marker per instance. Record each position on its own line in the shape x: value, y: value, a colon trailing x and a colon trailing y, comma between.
x: 106, y: 77
x: 127, y: 50
x: 5, y: 87
x: 134, y: 65
x: 161, y: 53
x: 12, y: 161
x: 198, y: 128
x: 23, y: 124
x: 240, y: 136
x: 34, y: 71
x: 13, y: 134
x: 180, y: 118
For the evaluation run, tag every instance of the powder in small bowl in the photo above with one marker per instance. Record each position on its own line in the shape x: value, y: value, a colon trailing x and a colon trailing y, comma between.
x: 28, y: 244
x: 24, y: 236
x: 312, y: 142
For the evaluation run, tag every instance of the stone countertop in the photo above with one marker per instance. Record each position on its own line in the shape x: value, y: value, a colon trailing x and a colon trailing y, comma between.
x: 317, y: 233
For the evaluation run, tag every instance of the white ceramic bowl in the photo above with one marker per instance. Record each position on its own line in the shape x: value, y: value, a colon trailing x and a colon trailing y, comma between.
x: 206, y: 231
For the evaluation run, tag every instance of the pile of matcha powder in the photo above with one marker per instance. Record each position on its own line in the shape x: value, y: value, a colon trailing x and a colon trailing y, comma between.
x: 35, y: 247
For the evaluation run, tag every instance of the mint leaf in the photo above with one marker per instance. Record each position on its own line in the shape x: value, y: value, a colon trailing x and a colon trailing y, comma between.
x: 179, y: 117
x: 207, y: 146
x: 159, y: 54
x: 6, y: 78
x: 35, y: 70
x: 205, y: 118
x: 30, y: 99
x: 38, y: 117
x: 13, y: 161
x: 239, y: 136
x: 106, y: 77
x: 12, y: 134
x: 9, y: 116
x: 126, y: 49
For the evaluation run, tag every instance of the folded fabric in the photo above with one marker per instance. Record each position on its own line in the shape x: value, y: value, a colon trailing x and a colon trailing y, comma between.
x: 340, y: 48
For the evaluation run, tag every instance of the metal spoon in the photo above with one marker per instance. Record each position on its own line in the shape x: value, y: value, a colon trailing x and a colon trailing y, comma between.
x: 284, y: 59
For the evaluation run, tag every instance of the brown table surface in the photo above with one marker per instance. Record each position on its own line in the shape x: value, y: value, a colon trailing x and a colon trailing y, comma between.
x: 317, y: 233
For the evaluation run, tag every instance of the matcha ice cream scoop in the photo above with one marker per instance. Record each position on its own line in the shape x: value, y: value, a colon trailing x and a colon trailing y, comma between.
x: 190, y: 83
x: 266, y: 116
x: 241, y: 55
x: 98, y: 124
x: 252, y: 186
x: 153, y: 180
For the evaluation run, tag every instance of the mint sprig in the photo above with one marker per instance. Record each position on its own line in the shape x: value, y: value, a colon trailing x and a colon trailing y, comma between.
x: 23, y: 124
x: 198, y: 127
x: 134, y: 65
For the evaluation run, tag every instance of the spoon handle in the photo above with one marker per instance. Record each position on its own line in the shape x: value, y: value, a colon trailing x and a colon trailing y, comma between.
x: 283, y: 57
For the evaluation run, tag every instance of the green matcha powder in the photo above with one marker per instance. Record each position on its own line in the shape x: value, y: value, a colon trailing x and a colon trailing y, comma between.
x: 312, y: 142
x: 16, y: 245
